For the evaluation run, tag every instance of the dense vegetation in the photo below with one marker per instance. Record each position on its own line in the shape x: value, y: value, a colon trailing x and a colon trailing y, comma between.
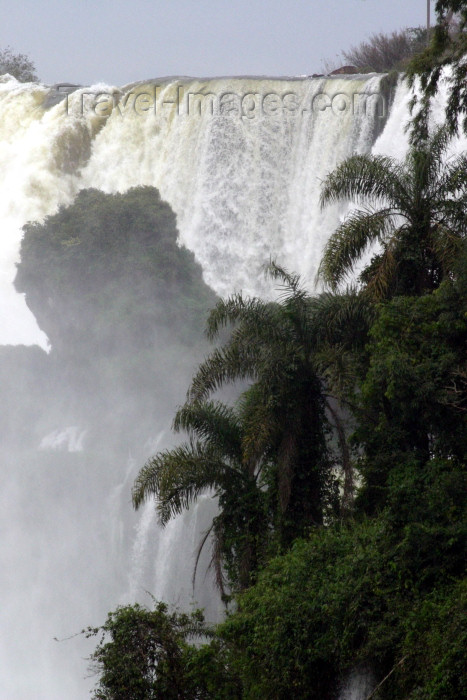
x: 122, y: 304
x: 150, y: 657
x: 341, y: 470
x: 381, y: 588
x: 269, y: 459
x: 113, y: 261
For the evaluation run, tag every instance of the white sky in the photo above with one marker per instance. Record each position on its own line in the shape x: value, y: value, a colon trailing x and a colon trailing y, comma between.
x: 120, y: 41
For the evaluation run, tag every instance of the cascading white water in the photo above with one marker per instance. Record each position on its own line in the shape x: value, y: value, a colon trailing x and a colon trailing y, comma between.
x: 244, y: 182
x: 244, y: 185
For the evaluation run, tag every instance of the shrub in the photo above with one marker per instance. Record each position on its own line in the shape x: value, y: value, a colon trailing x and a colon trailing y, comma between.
x: 18, y: 65
x: 386, y: 52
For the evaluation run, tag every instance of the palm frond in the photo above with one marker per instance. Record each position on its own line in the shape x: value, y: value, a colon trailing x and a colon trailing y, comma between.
x: 259, y: 424
x: 447, y: 246
x: 174, y: 478
x: 216, y: 531
x: 217, y: 552
x: 342, y: 319
x: 435, y: 149
x: 290, y: 283
x: 293, y: 298
x: 214, y: 423
x: 433, y: 178
x: 452, y: 183
x: 363, y: 178
x: 224, y: 365
x: 262, y: 328
x: 236, y: 309
x: 451, y: 215
x: 254, y: 344
x: 428, y: 191
x: 383, y: 274
x: 339, y: 368
x: 351, y: 239
x: 199, y: 551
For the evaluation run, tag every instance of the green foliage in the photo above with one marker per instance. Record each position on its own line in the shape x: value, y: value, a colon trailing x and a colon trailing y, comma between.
x: 122, y: 304
x: 436, y: 644
x: 212, y: 460
x: 446, y: 49
x: 275, y: 346
x: 286, y: 636
x: 268, y: 461
x: 358, y: 596
x: 426, y: 523
x: 382, y: 587
x: 411, y: 403
x: 112, y: 262
x: 146, y: 655
x: 377, y: 593
x: 414, y: 210
x: 18, y: 65
x: 384, y: 591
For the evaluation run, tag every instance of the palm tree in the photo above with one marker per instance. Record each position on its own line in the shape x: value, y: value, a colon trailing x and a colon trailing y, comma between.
x: 212, y: 460
x: 274, y: 345
x: 415, y: 210
x: 267, y: 460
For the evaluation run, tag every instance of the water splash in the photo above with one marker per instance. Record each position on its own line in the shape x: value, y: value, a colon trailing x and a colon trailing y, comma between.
x: 69, y: 439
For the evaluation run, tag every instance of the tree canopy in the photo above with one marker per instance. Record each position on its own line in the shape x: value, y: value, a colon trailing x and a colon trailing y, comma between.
x: 154, y: 654
x: 19, y: 65
x: 386, y: 52
x: 274, y: 345
x: 415, y: 211
x: 111, y: 261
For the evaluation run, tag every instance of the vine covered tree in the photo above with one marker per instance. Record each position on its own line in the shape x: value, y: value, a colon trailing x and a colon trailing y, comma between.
x: 150, y: 655
x: 275, y: 346
x: 415, y: 210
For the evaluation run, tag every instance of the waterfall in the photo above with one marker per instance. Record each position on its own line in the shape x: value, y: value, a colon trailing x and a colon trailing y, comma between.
x: 240, y: 160
x: 358, y: 686
x: 243, y: 176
